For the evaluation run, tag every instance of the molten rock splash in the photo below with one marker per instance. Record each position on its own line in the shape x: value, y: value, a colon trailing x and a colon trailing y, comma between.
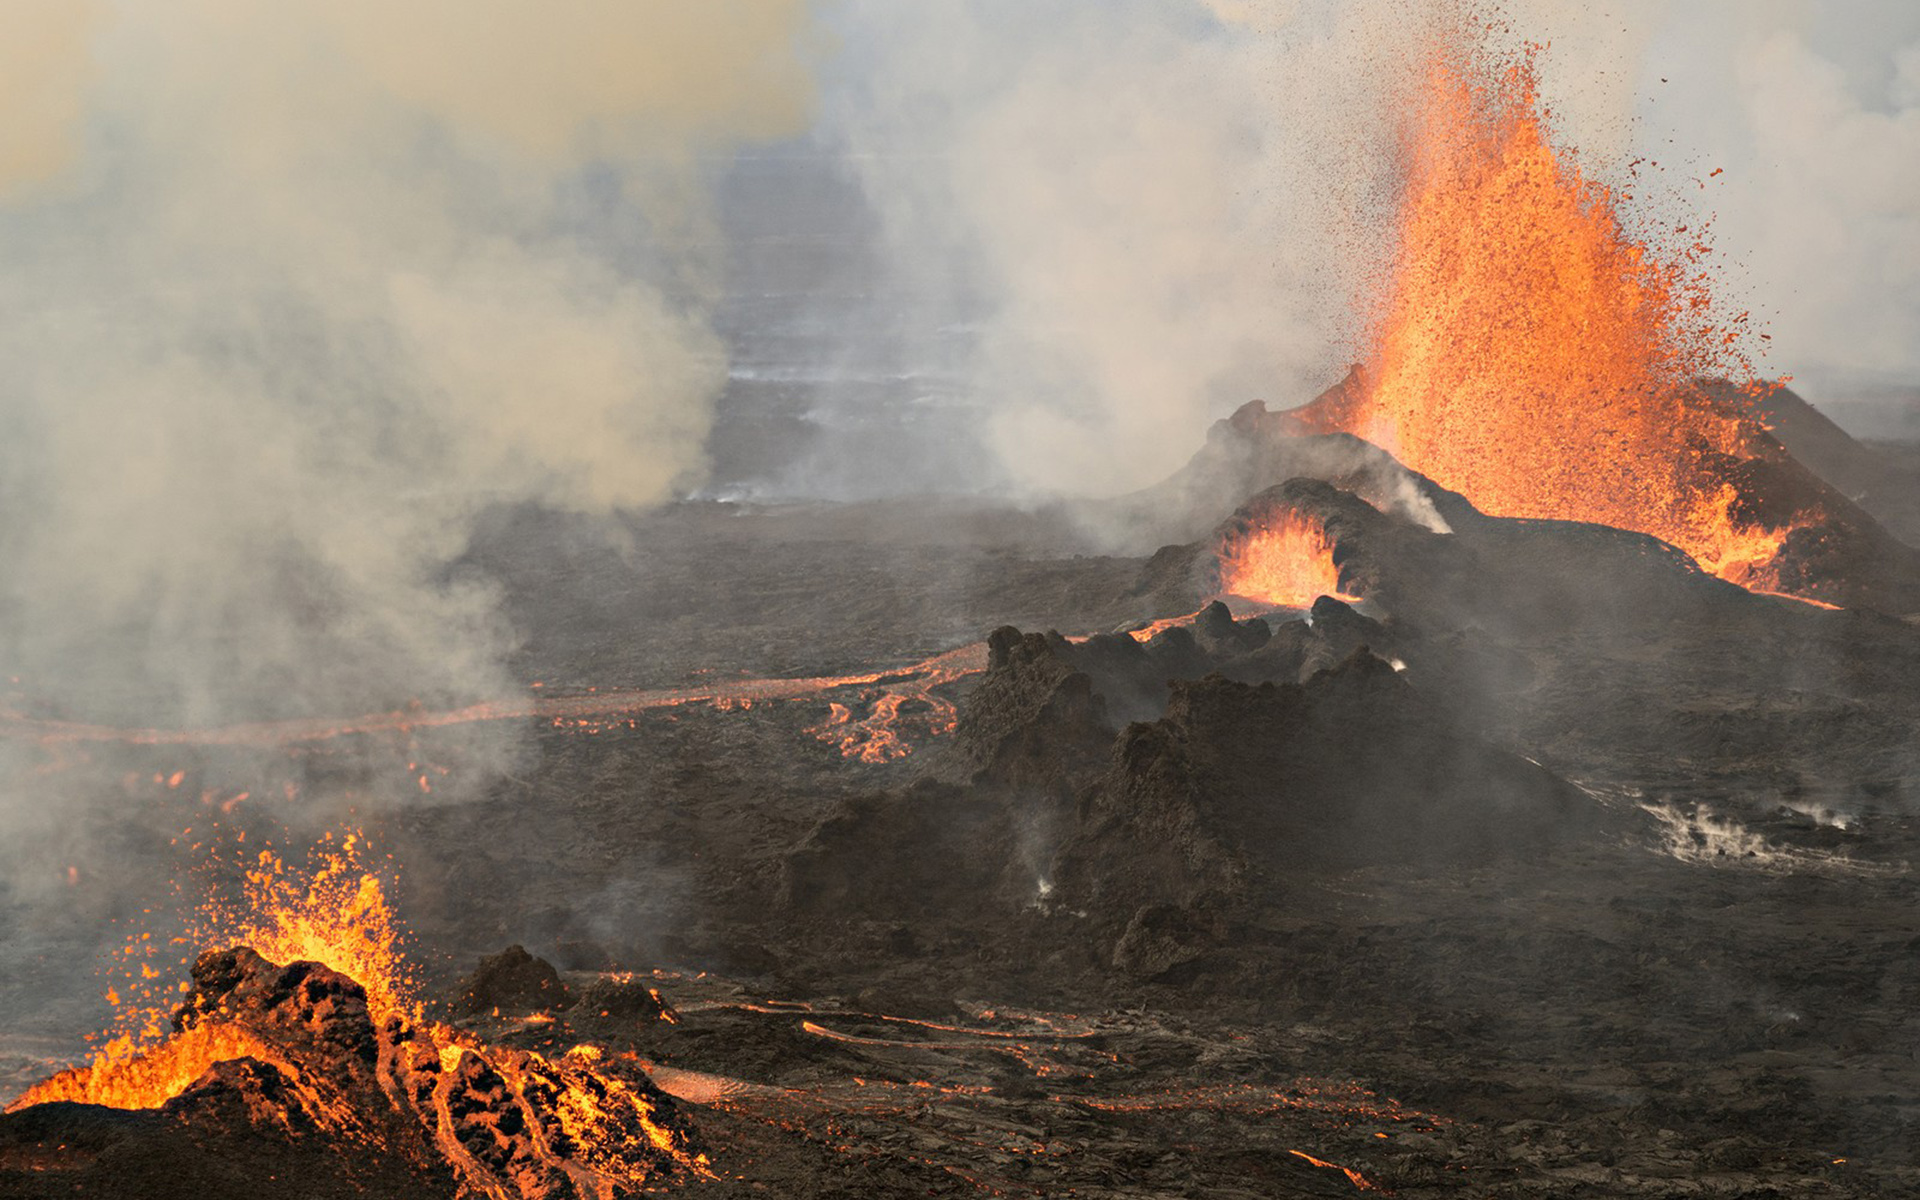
x: 333, y: 1048
x: 1280, y: 559
x: 295, y: 1052
x: 1535, y: 356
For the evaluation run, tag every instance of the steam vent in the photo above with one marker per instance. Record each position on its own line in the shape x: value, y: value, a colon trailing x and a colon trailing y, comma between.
x: 760, y: 599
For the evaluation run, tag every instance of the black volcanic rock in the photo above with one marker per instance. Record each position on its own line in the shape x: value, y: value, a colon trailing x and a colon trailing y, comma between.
x: 512, y: 983
x: 932, y: 851
x: 1353, y: 768
x: 1216, y: 632
x: 310, y: 1009
x: 1255, y: 449
x: 301, y: 1108
x: 243, y: 1092
x: 1594, y: 647
x: 1886, y: 486
x: 1028, y: 737
x: 1034, y: 721
x: 300, y: 1087
x: 623, y: 997
x: 1162, y: 938
x: 1520, y: 577
x: 1845, y: 505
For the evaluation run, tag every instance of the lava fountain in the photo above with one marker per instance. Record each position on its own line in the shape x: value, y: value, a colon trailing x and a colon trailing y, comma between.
x: 1532, y: 354
x: 1282, y: 561
x: 335, y: 1041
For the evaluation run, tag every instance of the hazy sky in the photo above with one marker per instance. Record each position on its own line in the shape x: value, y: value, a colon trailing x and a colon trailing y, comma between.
x: 1160, y: 206
x: 1814, y: 109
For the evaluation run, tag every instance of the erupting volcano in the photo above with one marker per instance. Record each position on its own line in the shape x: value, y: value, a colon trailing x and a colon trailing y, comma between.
x: 1494, y: 777
x: 1535, y: 355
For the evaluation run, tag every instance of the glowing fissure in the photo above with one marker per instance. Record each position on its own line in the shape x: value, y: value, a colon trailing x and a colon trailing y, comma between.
x: 1354, y: 1177
x: 1533, y: 355
x: 870, y: 739
x: 874, y: 738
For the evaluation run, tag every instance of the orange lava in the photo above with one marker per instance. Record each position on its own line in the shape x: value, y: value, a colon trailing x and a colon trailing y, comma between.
x: 336, y: 913
x: 873, y: 738
x: 1354, y: 1177
x: 606, y: 1125
x: 1532, y: 354
x: 1285, y: 561
x: 588, y: 1124
x: 121, y: 1077
x: 338, y: 916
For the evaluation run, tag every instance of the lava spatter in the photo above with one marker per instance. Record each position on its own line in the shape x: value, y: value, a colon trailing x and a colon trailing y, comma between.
x: 1283, y: 561
x: 1533, y: 354
x: 308, y: 1049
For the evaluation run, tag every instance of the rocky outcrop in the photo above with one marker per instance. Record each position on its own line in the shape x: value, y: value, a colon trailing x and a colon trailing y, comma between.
x: 1035, y: 720
x: 1242, y: 783
x: 1256, y: 448
x: 512, y: 983
x: 286, y: 1068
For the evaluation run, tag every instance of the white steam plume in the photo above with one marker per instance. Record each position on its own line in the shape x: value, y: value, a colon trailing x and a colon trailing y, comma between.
x: 1163, y: 208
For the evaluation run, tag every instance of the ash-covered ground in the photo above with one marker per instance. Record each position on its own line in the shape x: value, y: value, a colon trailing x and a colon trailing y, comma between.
x: 1552, y: 868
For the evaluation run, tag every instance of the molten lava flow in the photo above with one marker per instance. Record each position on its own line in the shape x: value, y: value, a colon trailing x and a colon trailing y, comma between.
x: 336, y: 915
x: 875, y: 738
x: 600, y: 1122
x: 353, y: 1055
x: 1284, y: 561
x: 1354, y: 1177
x: 1533, y: 355
x: 871, y: 739
x: 121, y: 1077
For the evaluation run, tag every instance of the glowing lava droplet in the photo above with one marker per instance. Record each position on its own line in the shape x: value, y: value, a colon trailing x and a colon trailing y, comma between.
x: 335, y: 913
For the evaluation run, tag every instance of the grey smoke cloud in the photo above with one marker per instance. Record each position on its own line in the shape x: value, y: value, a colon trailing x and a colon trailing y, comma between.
x: 1157, y: 207
x: 293, y: 292
x: 1833, y: 217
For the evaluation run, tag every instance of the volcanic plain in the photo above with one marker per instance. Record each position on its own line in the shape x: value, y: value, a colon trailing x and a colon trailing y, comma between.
x: 936, y: 848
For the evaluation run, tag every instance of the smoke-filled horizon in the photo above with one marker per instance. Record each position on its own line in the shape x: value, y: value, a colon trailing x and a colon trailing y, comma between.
x: 293, y: 294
